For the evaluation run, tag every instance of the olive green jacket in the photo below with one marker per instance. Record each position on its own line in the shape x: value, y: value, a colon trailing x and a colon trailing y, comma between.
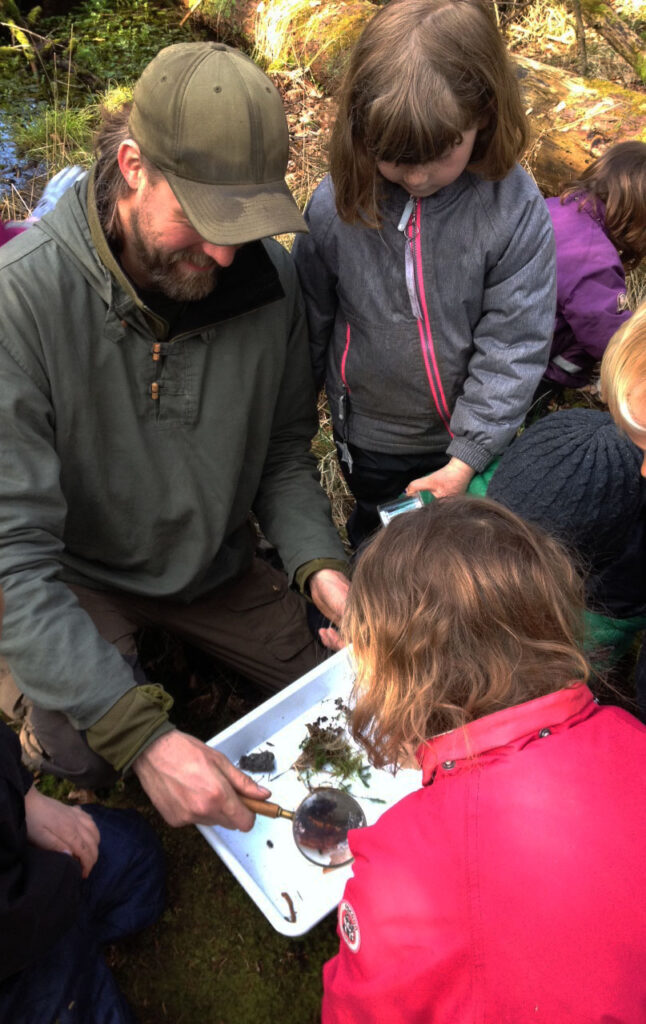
x: 122, y: 471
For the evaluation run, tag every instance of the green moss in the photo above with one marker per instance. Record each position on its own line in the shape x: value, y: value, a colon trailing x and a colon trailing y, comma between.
x: 213, y: 957
x: 595, y: 8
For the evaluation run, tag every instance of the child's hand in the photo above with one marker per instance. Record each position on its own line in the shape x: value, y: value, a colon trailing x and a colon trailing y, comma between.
x: 52, y: 825
x: 454, y: 478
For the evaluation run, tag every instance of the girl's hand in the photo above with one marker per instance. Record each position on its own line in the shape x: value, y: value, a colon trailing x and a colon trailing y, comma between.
x: 454, y: 478
x: 52, y: 825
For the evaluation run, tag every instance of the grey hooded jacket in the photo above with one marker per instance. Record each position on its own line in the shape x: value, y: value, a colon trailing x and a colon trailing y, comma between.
x: 432, y: 333
x: 106, y: 485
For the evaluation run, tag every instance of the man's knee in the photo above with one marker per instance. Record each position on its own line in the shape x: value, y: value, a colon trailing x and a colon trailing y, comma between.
x: 12, y: 702
x: 51, y: 744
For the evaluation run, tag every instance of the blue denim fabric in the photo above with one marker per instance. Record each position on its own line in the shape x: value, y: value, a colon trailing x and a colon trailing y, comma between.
x: 124, y: 893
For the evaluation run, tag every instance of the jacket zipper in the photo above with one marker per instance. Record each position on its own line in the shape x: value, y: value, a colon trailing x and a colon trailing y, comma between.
x: 410, y: 224
x: 344, y: 408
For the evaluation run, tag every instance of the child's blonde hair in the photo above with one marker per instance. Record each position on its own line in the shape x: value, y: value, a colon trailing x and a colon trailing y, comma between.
x: 618, y: 180
x: 623, y: 373
x: 421, y: 73
x: 458, y: 610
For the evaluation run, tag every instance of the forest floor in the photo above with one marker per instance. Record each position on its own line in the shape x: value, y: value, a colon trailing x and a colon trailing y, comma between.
x: 213, y: 958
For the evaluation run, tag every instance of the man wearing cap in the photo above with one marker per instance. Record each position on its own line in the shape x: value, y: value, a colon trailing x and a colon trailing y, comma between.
x: 156, y: 388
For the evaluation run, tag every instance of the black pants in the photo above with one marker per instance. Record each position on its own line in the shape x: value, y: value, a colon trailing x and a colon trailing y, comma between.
x: 377, y: 477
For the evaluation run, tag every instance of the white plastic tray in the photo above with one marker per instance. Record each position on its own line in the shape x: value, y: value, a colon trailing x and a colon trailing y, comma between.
x: 266, y: 872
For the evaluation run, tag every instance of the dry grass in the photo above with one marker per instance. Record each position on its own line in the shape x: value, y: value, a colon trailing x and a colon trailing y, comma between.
x: 637, y: 287
x: 332, y: 478
x: 273, y: 33
x: 545, y: 31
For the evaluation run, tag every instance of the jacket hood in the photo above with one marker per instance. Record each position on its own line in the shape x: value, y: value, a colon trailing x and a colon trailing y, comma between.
x: 68, y: 225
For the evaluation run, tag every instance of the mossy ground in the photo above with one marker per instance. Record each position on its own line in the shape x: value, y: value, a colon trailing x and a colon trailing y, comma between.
x: 213, y: 957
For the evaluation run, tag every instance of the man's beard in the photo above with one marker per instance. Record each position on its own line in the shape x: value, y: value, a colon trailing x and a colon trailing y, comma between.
x: 165, y: 272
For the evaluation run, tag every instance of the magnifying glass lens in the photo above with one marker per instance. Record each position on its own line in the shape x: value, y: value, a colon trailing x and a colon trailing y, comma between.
x: 321, y: 825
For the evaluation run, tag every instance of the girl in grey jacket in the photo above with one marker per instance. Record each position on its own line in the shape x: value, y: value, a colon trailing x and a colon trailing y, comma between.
x: 429, y: 270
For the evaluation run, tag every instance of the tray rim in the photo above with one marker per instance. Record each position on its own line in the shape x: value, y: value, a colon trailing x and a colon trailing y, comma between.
x: 340, y: 660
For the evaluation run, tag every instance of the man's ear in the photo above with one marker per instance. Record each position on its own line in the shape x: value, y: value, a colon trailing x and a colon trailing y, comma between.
x: 131, y: 164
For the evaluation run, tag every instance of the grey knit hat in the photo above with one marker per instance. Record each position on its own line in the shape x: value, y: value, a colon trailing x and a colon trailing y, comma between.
x: 577, y: 476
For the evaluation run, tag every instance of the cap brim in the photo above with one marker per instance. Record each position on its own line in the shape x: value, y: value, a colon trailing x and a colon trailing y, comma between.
x: 235, y: 214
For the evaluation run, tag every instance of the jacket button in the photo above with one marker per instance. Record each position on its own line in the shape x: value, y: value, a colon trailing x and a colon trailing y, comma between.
x: 447, y: 765
x: 545, y: 732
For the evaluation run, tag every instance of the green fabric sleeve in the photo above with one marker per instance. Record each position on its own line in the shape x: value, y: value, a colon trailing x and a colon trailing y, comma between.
x: 607, y: 640
x: 138, y: 718
x: 478, y: 485
x: 307, y: 569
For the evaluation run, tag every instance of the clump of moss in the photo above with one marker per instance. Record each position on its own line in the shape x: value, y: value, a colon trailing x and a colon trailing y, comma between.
x: 327, y: 747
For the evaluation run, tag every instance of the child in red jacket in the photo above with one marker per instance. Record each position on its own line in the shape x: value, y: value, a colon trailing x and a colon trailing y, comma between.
x: 508, y: 888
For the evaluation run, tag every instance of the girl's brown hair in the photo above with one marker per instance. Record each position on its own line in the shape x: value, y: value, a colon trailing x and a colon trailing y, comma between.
x: 456, y: 611
x: 618, y: 179
x: 421, y: 73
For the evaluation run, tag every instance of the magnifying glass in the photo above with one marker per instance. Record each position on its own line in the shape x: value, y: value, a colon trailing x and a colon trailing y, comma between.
x: 320, y: 823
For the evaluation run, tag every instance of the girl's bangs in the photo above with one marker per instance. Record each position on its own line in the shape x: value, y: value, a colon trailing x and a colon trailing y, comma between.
x: 411, y: 133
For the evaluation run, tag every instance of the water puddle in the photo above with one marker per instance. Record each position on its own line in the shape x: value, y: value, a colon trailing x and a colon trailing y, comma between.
x: 16, y: 173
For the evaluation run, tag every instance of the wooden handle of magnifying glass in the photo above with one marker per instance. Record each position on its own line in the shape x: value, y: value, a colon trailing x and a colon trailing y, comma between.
x: 265, y: 808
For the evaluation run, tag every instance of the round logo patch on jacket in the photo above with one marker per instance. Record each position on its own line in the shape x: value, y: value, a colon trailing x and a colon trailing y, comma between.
x: 349, y: 926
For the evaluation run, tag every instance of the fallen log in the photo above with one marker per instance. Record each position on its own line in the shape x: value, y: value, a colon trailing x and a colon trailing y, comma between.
x: 573, y: 119
x: 316, y: 36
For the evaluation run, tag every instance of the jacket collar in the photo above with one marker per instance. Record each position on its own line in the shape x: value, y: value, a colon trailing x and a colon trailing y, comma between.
x: 393, y: 198
x: 593, y: 206
x: 251, y: 282
x: 505, y: 727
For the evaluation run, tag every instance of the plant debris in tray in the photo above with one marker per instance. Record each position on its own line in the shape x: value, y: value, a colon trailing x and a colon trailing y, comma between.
x: 262, y: 761
x: 327, y: 747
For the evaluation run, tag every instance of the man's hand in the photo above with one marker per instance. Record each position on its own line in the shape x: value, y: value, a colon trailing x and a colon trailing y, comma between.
x: 190, y: 783
x: 52, y: 825
x: 329, y: 592
x: 454, y: 478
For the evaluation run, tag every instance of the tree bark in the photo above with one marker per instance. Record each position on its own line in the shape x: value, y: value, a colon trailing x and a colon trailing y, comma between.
x: 628, y: 44
x: 573, y: 119
x: 580, y: 36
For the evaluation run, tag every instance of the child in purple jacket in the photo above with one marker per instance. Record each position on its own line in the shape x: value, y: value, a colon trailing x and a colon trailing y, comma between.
x: 600, y: 231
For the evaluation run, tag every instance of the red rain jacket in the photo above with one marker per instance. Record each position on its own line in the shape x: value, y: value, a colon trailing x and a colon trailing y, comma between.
x: 511, y: 887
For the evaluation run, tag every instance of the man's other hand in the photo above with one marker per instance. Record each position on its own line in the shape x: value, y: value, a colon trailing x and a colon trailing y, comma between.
x: 329, y: 592
x: 190, y: 783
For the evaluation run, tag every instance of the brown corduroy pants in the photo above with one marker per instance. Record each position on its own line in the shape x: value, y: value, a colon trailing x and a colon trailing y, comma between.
x: 256, y: 625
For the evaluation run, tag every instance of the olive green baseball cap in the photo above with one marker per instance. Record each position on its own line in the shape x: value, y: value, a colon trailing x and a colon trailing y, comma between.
x: 213, y: 123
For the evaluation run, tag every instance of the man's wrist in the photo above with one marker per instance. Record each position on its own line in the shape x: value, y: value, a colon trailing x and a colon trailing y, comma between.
x: 137, y: 719
x: 304, y: 572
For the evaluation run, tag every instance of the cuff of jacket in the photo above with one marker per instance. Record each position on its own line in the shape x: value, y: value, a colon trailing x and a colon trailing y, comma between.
x: 133, y: 723
x: 475, y: 455
x: 307, y: 569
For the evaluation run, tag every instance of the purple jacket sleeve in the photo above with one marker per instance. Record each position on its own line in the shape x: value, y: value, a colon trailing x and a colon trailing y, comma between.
x: 591, y: 284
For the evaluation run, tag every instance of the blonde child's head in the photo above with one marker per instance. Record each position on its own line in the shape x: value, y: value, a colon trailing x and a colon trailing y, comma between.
x: 623, y: 378
x: 422, y: 73
x: 618, y: 180
x: 456, y: 611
